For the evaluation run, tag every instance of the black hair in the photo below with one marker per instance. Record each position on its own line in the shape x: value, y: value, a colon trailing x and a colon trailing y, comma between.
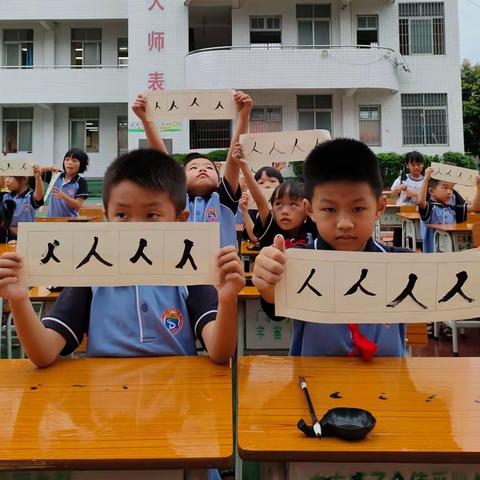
x: 269, y: 172
x: 413, y: 156
x: 293, y: 190
x: 342, y: 159
x: 7, y: 209
x: 194, y: 155
x: 78, y: 154
x: 149, y: 169
x: 433, y: 182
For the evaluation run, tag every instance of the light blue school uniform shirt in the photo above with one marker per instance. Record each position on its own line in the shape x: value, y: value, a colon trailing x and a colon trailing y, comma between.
x: 76, y: 187
x: 25, y: 206
x: 325, y: 339
x: 221, y: 206
x: 134, y: 321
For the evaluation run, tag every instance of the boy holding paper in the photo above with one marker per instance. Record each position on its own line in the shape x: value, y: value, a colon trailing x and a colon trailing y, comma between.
x: 210, y: 198
x: 343, y: 188
x: 141, y: 186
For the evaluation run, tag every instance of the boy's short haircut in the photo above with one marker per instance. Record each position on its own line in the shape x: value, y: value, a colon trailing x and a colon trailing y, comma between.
x: 194, y: 155
x: 342, y: 159
x: 433, y: 182
x: 269, y: 172
x: 80, y: 155
x: 293, y: 190
x: 149, y: 169
x: 413, y: 156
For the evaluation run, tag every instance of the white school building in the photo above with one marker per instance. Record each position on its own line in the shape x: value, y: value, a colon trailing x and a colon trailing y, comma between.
x: 384, y: 71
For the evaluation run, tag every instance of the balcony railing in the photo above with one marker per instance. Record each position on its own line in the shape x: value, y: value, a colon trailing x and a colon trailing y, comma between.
x: 295, y: 66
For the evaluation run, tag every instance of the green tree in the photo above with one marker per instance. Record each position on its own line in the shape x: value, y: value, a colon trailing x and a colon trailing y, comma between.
x: 471, y: 106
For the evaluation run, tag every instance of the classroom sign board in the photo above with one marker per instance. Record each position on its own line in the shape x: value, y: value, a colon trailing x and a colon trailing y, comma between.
x: 262, y: 149
x: 361, y: 287
x: 454, y: 174
x: 119, y: 254
x: 191, y: 105
x: 13, y: 167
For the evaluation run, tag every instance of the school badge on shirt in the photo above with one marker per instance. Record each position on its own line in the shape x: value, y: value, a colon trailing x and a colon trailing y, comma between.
x: 211, y: 215
x: 172, y: 319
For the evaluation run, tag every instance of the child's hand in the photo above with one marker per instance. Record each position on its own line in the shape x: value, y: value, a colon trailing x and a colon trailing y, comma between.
x: 402, y: 187
x: 139, y: 107
x: 477, y: 180
x: 238, y: 155
x: 12, y: 277
x: 231, y: 273
x: 279, y: 165
x: 243, y: 202
x: 269, y: 265
x: 57, y: 193
x: 244, y: 103
x: 37, y: 171
x: 428, y: 172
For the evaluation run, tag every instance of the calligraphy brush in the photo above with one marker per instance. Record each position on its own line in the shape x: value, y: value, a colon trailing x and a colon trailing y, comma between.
x: 311, y: 431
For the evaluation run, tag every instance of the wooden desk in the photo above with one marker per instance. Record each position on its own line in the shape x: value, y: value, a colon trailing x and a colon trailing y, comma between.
x: 411, y: 425
x: 4, y: 247
x: 98, y: 413
x: 42, y: 294
x: 80, y: 218
x: 248, y: 255
x: 452, y: 237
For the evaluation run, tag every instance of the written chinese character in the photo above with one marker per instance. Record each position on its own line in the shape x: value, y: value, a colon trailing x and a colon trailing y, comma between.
x: 462, y: 277
x: 358, y: 285
x: 93, y: 253
x: 306, y: 284
x: 187, y: 255
x: 156, y: 4
x: 407, y: 292
x: 50, y: 255
x: 156, y: 81
x: 156, y: 41
x: 140, y: 252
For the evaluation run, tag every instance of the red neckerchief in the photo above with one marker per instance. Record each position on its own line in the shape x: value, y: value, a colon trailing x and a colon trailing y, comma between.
x: 290, y: 243
x: 361, y: 344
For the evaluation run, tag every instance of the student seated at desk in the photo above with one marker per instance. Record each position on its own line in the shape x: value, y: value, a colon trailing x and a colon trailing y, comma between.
x: 343, y: 189
x: 27, y: 200
x: 439, y: 203
x: 141, y: 186
x: 210, y: 198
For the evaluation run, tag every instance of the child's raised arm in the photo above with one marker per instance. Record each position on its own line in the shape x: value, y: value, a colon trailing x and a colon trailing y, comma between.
x: 154, y: 139
x: 252, y: 185
x: 475, y: 206
x: 39, y: 192
x: 247, y: 220
x: 422, y: 193
x: 244, y: 106
x: 220, y: 336
x: 42, y: 345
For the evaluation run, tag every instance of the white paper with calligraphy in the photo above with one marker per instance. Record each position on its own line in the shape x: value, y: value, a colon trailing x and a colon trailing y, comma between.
x: 262, y: 149
x: 454, y: 174
x: 14, y: 167
x: 266, y: 192
x: 114, y: 254
x: 191, y: 105
x: 358, y: 287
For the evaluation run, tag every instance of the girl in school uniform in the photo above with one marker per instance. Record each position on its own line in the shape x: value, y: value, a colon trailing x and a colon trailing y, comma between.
x: 70, y: 189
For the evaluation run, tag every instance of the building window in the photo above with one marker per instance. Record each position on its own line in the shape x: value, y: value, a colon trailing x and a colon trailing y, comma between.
x: 18, y: 48
x: 313, y: 24
x: 314, y: 112
x: 265, y: 30
x: 210, y: 133
x: 422, y: 28
x: 86, y: 47
x: 17, y: 130
x: 84, y: 128
x: 122, y: 52
x: 367, y: 30
x: 266, y: 119
x: 122, y: 135
x: 425, y: 120
x: 369, y: 124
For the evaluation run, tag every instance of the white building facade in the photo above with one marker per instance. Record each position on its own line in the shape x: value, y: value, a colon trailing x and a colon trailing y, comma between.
x: 385, y: 72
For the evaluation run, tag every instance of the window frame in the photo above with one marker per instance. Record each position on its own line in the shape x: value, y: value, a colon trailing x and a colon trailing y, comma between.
x: 370, y: 106
x: 19, y: 43
x: 315, y: 110
x: 17, y: 120
x: 313, y: 19
x: 265, y: 29
x: 75, y: 48
x: 84, y: 120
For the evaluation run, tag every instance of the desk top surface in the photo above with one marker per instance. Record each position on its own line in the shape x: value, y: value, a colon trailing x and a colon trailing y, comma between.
x: 452, y: 227
x: 427, y: 409
x: 409, y: 215
x: 245, y: 249
x: 170, y: 412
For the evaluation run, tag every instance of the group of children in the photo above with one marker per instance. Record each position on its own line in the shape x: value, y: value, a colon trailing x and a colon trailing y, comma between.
x: 21, y: 197
x: 335, y: 209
